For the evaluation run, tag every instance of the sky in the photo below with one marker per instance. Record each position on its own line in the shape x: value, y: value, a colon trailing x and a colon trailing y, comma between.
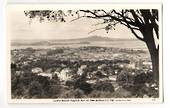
x: 19, y: 28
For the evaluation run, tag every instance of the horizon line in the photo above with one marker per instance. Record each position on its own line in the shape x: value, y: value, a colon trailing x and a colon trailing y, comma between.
x: 71, y: 38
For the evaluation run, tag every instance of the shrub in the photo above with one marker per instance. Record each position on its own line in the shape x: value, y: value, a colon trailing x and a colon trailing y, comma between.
x: 103, y: 86
x: 100, y: 94
x: 122, y: 93
x: 138, y: 84
x: 124, y: 78
x: 83, y: 86
x: 77, y: 93
x: 35, y: 90
x: 54, y: 91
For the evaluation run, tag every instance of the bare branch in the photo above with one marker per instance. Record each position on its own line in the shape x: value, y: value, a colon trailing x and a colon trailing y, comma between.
x: 146, y: 15
x: 154, y: 24
x: 156, y: 28
x: 150, y: 20
x: 136, y: 17
x: 120, y: 14
x: 135, y: 28
x: 108, y: 16
x: 104, y: 11
x: 77, y: 18
x: 96, y: 30
x: 132, y: 30
x: 99, y: 24
x: 141, y: 20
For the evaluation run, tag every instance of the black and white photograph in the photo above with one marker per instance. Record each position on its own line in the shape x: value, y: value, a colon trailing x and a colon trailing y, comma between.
x: 84, y: 53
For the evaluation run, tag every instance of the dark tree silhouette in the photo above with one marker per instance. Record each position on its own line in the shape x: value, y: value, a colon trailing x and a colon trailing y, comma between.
x: 143, y: 23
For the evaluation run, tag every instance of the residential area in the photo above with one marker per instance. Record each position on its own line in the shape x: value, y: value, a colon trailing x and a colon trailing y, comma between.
x: 83, y: 72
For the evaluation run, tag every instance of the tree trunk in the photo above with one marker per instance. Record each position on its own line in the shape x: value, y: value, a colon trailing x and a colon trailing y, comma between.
x: 155, y: 64
x: 154, y: 54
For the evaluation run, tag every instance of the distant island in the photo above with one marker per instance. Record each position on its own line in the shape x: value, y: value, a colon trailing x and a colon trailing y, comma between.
x: 86, y: 40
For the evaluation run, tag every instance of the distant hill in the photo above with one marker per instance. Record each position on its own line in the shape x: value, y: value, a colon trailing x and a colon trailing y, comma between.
x: 86, y: 40
x: 93, y: 38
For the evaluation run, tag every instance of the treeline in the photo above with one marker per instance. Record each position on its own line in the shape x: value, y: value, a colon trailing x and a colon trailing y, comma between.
x: 29, y: 85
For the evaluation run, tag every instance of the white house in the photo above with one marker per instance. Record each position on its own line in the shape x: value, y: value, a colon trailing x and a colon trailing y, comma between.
x: 46, y: 75
x: 116, y: 72
x: 80, y: 70
x: 37, y: 70
x: 91, y: 81
x: 113, y: 78
x: 64, y: 74
x: 131, y: 66
x: 149, y: 64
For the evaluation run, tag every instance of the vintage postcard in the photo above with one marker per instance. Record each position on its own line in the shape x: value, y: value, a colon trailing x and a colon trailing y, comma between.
x: 84, y: 53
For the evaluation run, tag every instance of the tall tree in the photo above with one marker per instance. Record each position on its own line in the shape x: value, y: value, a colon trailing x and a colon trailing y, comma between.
x: 144, y: 21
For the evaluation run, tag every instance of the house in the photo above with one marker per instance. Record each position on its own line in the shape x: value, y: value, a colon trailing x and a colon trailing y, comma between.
x: 49, y: 75
x: 64, y: 74
x: 131, y: 66
x: 89, y: 75
x: 36, y: 70
x: 116, y: 72
x: 113, y: 78
x: 80, y: 70
x: 147, y: 64
x: 91, y: 81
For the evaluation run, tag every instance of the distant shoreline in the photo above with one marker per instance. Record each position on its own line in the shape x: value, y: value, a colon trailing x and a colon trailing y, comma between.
x: 73, y: 39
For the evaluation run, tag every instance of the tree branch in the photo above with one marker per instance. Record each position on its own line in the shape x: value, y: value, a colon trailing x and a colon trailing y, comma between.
x: 132, y: 30
x: 150, y: 20
x: 96, y: 30
x: 145, y: 14
x: 108, y: 16
x: 120, y: 14
x: 123, y: 23
x: 76, y: 18
x: 136, y: 17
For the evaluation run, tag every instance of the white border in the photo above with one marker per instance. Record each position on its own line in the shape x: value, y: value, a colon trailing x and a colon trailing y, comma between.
x: 85, y: 6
